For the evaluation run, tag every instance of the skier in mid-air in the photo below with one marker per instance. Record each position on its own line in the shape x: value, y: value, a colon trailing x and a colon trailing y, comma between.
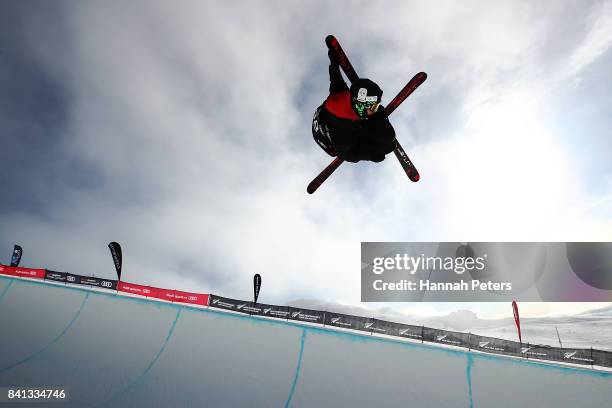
x: 351, y: 123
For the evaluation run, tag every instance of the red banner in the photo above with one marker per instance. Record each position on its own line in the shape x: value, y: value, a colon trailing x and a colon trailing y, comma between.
x: 175, y: 296
x: 191, y: 298
x: 4, y: 270
x: 163, y: 294
x: 134, y: 288
x: 22, y: 272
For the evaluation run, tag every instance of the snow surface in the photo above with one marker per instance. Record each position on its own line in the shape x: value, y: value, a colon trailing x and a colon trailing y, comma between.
x: 111, y: 350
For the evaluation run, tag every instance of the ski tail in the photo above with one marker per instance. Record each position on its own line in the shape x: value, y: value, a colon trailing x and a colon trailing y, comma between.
x: 407, y: 165
x: 345, y: 64
x: 410, y: 87
x: 316, y: 183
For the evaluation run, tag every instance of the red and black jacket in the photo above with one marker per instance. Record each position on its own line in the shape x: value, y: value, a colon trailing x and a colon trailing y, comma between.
x: 354, y: 139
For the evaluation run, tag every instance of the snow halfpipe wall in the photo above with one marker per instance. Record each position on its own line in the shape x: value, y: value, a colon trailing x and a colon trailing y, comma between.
x: 113, y: 350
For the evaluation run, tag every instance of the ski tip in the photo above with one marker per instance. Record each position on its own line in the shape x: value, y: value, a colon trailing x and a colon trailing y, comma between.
x: 330, y: 40
x: 415, y: 177
x: 311, y: 189
x: 422, y: 75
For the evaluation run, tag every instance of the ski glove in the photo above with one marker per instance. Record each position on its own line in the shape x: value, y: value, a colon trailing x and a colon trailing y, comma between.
x: 380, y: 114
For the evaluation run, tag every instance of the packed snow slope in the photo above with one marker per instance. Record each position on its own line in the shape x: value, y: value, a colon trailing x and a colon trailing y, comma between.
x: 116, y: 351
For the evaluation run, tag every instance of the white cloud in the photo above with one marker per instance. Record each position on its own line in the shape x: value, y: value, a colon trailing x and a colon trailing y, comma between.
x: 197, y: 117
x: 596, y: 42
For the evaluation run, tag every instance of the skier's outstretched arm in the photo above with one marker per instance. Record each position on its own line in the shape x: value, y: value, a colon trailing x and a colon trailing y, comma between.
x: 336, y: 82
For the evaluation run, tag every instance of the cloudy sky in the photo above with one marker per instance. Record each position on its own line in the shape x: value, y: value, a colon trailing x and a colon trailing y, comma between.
x: 182, y: 131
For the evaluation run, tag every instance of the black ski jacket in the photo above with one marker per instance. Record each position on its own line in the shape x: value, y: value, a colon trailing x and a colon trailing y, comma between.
x: 354, y: 139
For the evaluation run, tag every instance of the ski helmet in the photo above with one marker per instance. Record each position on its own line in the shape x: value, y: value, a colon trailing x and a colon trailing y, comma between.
x: 365, y: 94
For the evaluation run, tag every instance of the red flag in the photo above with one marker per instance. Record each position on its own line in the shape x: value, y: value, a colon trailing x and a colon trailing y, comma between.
x: 516, y: 319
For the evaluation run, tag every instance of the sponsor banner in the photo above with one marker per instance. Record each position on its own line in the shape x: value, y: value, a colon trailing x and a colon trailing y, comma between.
x: 446, y: 337
x: 236, y: 305
x: 110, y: 284
x: 89, y: 281
x: 134, y: 288
x: 22, y: 272
x: 30, y: 273
x: 6, y: 270
x: 226, y: 303
x: 161, y: 293
x: 486, y: 272
x: 279, y: 312
x: 481, y: 343
x: 601, y: 358
x: 306, y: 315
x: 348, y: 321
x: 398, y: 329
x: 74, y: 279
x: 413, y: 332
x: 249, y: 308
x: 55, y: 276
x: 538, y: 352
x: 565, y: 355
x: 175, y: 296
x: 493, y: 345
x: 428, y: 334
x: 578, y: 356
x: 242, y: 306
x: 377, y: 326
x: 190, y: 298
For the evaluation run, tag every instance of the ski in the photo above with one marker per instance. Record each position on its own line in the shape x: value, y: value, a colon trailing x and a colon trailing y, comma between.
x: 406, y: 163
x: 334, y: 46
x: 410, y: 87
x: 398, y: 150
x: 409, y: 168
x: 316, y: 183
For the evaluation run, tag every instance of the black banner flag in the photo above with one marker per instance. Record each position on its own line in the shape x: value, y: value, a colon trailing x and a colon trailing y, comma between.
x: 17, y: 251
x: 115, y: 249
x: 256, y: 285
